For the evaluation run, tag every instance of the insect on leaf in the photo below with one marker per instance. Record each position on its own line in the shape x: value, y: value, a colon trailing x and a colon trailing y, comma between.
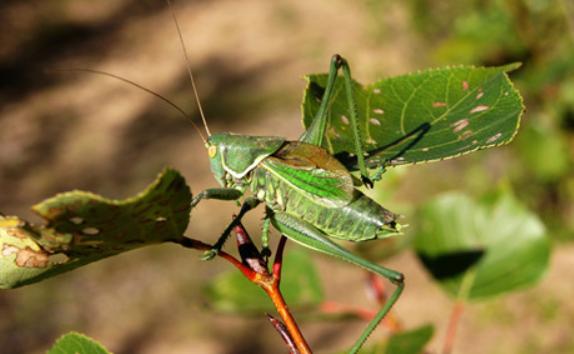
x: 78, y: 344
x: 429, y: 115
x: 83, y: 227
x: 481, y: 248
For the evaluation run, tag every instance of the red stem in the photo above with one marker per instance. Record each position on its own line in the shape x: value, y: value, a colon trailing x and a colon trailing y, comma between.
x: 274, y: 292
x: 268, y: 282
x: 454, y: 320
x: 284, y: 332
x: 277, y: 264
x: 201, y: 246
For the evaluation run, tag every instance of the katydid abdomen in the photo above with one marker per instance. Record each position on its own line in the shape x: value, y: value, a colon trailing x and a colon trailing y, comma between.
x: 358, y: 220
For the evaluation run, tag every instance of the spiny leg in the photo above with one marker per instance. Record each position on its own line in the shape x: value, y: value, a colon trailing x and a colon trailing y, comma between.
x: 357, y: 134
x: 315, y: 134
x: 316, y: 131
x: 249, y: 204
x: 371, y: 160
x: 309, y: 236
x: 418, y: 133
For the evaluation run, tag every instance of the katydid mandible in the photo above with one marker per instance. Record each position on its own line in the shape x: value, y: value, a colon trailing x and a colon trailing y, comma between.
x: 309, y: 195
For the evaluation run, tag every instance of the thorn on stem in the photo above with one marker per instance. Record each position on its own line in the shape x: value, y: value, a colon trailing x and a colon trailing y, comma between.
x: 278, y: 263
x: 256, y: 270
x: 250, y: 255
x: 282, y: 329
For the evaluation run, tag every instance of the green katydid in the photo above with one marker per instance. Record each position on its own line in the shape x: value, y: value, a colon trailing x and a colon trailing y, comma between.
x: 310, y: 195
x: 307, y: 189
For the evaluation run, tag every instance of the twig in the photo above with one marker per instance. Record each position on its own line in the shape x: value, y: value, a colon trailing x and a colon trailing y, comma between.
x: 254, y: 268
x: 376, y: 290
x: 457, y: 310
x: 335, y: 308
x: 455, y: 316
x: 201, y: 246
x: 284, y: 332
x: 269, y: 282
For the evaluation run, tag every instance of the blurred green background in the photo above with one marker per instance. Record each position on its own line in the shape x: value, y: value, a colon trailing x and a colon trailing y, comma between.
x: 61, y: 130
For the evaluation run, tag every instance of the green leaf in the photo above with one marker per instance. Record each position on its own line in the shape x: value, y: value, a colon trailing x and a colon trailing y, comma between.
x: 82, y: 227
x: 425, y: 116
x: 481, y: 249
x: 76, y: 343
x: 411, y: 342
x: 300, y: 285
x: 407, y: 342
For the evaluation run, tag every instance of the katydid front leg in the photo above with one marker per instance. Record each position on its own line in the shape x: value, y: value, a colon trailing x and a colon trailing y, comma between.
x: 307, y: 235
x: 224, y: 194
x: 217, y: 193
x: 316, y: 132
x: 249, y: 204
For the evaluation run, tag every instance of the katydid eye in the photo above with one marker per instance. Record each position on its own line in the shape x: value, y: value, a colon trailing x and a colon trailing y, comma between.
x: 212, y: 151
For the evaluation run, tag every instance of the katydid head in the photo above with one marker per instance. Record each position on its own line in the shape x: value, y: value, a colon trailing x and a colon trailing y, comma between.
x: 233, y: 156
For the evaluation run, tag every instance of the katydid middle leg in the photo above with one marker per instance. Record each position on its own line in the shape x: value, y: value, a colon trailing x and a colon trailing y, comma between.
x: 302, y: 232
x: 265, y: 250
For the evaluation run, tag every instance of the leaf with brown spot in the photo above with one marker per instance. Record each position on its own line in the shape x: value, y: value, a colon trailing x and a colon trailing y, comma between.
x: 82, y: 227
x: 419, y: 112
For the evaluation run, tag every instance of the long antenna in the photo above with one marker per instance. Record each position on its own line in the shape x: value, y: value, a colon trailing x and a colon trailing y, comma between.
x: 153, y: 93
x: 188, y: 67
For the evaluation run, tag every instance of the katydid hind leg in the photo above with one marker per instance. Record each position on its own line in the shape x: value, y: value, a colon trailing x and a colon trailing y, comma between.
x: 358, y: 136
x: 309, y: 236
x: 410, y: 140
x: 315, y: 134
x: 416, y: 135
x: 249, y: 204
x: 265, y: 250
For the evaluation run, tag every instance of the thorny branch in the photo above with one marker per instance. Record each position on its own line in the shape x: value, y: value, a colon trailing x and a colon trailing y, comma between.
x: 255, y: 268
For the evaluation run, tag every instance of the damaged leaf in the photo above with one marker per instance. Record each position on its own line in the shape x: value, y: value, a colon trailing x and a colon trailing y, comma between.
x: 82, y: 227
x: 426, y: 116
